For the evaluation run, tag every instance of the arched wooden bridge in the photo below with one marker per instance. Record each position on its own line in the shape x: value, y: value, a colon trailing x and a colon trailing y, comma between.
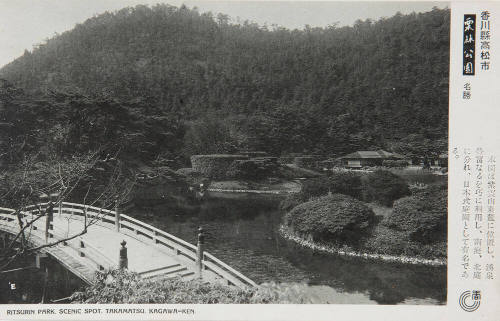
x: 151, y: 251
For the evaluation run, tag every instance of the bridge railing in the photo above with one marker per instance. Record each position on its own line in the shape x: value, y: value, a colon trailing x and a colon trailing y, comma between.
x: 138, y: 228
x: 158, y: 236
x: 6, y: 210
x: 186, y: 249
x: 78, y: 244
x: 84, y: 249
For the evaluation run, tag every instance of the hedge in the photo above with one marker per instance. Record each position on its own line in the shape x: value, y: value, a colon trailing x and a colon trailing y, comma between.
x: 253, y: 169
x: 383, y: 187
x: 214, y: 166
x: 423, y: 216
x: 331, y: 218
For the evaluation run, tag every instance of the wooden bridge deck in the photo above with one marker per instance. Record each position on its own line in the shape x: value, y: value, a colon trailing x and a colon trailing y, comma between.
x: 151, y: 252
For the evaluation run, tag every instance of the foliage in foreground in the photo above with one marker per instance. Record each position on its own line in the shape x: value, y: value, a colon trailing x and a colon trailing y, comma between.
x: 119, y: 286
x: 334, y: 217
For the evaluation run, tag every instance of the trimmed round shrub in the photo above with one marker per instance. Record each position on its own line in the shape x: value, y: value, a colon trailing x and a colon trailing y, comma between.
x: 214, y: 166
x: 383, y: 187
x: 423, y: 215
x: 331, y: 218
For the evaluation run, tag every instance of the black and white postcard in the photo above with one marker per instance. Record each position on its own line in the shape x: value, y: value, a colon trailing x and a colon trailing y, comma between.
x: 249, y: 160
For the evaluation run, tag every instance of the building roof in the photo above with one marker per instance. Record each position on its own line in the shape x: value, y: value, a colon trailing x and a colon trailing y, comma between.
x: 366, y: 154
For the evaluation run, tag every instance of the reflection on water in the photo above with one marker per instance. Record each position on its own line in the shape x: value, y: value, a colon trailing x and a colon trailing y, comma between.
x: 242, y: 230
x: 419, y: 175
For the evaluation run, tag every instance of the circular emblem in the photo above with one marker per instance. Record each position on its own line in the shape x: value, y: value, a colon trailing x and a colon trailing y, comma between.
x: 470, y: 300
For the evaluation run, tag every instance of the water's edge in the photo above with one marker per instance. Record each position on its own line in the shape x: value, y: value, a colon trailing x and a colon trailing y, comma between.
x: 250, y: 191
x: 289, y: 235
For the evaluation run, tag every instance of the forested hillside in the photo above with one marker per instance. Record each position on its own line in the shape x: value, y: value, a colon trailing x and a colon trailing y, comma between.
x: 172, y: 81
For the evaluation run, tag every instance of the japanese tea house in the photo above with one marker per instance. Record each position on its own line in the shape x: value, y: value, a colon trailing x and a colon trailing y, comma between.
x: 368, y: 158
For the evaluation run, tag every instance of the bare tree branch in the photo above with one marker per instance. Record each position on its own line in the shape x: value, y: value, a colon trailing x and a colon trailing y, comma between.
x: 62, y: 177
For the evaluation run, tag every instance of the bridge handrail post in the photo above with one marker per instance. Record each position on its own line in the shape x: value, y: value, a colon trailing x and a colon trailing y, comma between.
x: 199, y: 251
x: 123, y: 259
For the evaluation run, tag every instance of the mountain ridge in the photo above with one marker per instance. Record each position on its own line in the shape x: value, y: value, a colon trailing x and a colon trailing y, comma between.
x: 317, y: 90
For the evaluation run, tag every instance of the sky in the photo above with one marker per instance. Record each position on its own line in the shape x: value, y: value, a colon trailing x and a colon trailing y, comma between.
x: 24, y: 23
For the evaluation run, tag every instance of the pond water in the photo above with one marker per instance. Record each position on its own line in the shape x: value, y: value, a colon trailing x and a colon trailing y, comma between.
x: 242, y: 230
x: 418, y: 175
x: 26, y: 286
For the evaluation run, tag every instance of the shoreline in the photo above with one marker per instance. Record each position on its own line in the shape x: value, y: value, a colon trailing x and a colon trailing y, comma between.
x: 252, y: 191
x: 241, y: 186
x: 284, y: 232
